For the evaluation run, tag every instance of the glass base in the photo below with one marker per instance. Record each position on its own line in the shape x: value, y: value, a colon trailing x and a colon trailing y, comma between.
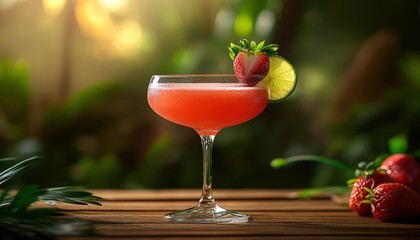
x: 213, y: 214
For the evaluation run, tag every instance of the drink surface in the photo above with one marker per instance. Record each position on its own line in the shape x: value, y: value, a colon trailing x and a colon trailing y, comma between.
x: 207, y: 107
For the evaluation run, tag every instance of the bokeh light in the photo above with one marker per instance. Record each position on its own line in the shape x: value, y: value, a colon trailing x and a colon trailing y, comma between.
x: 244, y: 25
x: 53, y: 7
x: 113, y: 38
x: 115, y: 6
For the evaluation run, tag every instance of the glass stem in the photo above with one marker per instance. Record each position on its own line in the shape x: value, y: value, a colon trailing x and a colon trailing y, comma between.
x: 207, y: 199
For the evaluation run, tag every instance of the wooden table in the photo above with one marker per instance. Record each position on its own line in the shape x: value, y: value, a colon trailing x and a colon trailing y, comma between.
x: 276, y: 214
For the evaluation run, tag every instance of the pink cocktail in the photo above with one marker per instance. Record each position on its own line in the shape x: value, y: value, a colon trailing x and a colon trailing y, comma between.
x: 207, y: 104
x: 207, y: 107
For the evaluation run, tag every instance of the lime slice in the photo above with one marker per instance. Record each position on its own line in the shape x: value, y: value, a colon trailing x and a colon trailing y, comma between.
x: 280, y: 80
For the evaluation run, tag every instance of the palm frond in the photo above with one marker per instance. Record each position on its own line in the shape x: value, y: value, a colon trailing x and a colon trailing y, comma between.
x: 72, y: 195
x: 15, y: 169
x: 19, y: 220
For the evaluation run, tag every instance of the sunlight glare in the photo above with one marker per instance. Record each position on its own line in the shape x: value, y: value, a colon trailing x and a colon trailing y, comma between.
x: 114, y: 6
x: 93, y: 20
x: 127, y: 37
x: 112, y: 38
x: 53, y: 7
x: 8, y: 3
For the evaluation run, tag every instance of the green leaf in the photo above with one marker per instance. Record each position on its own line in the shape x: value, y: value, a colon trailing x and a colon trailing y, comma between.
x: 270, y: 48
x: 23, y: 199
x: 245, y: 43
x: 232, y: 56
x: 317, y: 192
x: 368, y: 168
x: 369, y: 190
x: 270, y: 54
x: 280, y: 162
x: 69, y: 195
x: 261, y: 45
x: 15, y: 169
x: 233, y: 51
x: 351, y: 182
x: 361, y: 165
x: 4, y: 194
x: 8, y: 159
x: 19, y: 220
x: 253, y: 45
x: 398, y: 144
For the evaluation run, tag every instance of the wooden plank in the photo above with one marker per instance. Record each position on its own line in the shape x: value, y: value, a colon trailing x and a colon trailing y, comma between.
x: 243, y: 237
x: 157, y: 217
x: 287, y: 228
x: 262, y: 224
x: 274, y: 215
x: 243, y: 205
x: 194, y: 194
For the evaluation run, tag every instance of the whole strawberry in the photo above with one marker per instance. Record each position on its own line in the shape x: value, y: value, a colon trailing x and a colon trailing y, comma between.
x: 394, y: 202
x: 404, y: 169
x: 359, y: 194
x: 251, y: 60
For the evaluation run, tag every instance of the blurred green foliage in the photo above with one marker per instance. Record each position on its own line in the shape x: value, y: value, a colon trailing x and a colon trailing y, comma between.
x: 106, y: 136
x: 14, y: 102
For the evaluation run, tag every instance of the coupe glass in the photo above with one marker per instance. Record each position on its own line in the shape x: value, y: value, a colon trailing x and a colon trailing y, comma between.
x: 206, y: 103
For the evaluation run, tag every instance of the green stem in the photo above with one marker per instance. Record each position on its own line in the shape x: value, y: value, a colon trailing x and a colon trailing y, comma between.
x: 280, y: 162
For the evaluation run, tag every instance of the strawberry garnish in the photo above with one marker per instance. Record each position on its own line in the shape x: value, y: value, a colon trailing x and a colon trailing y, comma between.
x: 250, y: 60
x: 394, y: 202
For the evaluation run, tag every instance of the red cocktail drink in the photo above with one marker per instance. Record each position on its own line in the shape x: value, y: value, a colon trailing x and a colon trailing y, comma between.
x: 206, y: 103
x: 207, y: 107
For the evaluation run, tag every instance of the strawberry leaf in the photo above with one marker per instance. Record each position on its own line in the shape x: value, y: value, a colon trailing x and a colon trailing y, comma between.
x: 232, y: 55
x: 370, y: 191
x: 368, y: 168
x: 234, y: 50
x: 253, y: 46
x: 351, y: 182
x: 260, y: 45
x: 270, y: 48
x: 246, y: 44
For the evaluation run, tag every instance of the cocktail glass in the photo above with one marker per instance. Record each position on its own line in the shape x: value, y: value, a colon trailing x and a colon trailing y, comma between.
x: 206, y: 103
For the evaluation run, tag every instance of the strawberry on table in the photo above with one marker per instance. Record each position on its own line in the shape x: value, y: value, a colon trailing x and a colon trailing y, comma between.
x: 368, y: 176
x: 359, y: 194
x: 394, y: 202
x: 251, y: 60
x: 404, y: 169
